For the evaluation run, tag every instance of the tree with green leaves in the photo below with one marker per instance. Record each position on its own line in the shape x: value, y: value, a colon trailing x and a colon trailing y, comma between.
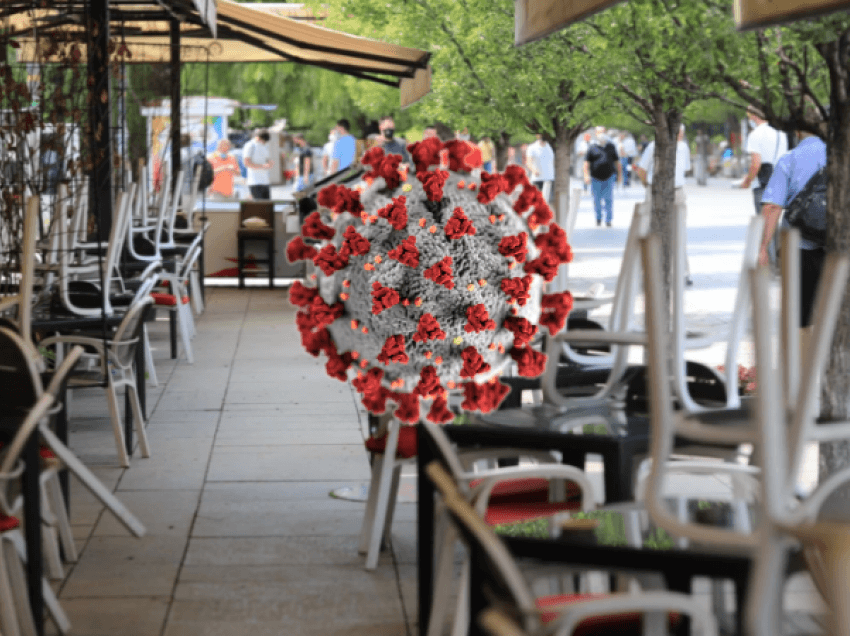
x: 480, y: 79
x: 656, y: 58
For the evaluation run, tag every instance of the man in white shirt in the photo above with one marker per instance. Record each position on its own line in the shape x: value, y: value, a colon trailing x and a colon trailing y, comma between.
x: 627, y: 150
x: 645, y: 169
x: 541, y: 162
x: 765, y: 146
x: 255, y: 156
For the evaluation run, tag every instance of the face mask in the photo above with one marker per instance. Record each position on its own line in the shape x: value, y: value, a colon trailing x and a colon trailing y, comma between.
x: 752, y: 123
x: 389, y: 132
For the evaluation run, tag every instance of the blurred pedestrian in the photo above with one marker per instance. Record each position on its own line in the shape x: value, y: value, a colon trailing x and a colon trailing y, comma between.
x: 488, y: 153
x: 344, y: 147
x: 627, y: 151
x: 225, y: 170
x: 303, y: 163
x: 389, y: 142
x: 255, y: 156
x: 602, y: 170
x: 765, y: 146
x: 540, y: 160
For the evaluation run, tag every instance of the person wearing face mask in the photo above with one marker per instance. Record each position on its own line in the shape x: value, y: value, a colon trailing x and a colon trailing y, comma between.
x: 389, y: 142
x: 602, y: 169
x: 765, y: 146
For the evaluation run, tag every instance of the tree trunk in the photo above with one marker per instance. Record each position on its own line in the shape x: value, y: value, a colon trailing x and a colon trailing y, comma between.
x: 835, y: 392
x: 562, y: 145
x: 502, y: 142
x: 667, y: 124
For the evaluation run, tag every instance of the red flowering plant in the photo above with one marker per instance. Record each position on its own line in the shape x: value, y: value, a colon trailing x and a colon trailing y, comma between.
x: 430, y: 282
x: 746, y: 379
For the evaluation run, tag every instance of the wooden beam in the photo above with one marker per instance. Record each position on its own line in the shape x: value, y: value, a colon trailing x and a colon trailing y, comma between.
x: 535, y: 19
x: 751, y: 14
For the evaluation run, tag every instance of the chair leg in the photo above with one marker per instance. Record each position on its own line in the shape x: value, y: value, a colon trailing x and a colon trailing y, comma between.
x: 149, y: 365
x: 138, y: 420
x: 240, y: 262
x: 369, y: 514
x: 460, y: 625
x: 382, y: 499
x: 50, y: 539
x: 8, y: 611
x: 271, y: 264
x: 117, y: 424
x: 18, y: 583
x: 185, y: 335
x: 196, y: 295
x: 391, y: 503
x: 63, y: 523
x: 172, y: 330
x: 54, y: 609
x: 443, y: 575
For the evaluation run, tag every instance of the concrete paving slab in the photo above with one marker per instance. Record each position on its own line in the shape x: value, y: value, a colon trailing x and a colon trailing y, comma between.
x: 270, y: 431
x: 304, y: 462
x: 140, y: 616
x: 281, y: 551
x: 126, y: 567
x: 162, y: 512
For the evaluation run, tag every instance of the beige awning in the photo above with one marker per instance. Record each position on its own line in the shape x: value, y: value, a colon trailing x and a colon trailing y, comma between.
x: 751, y: 14
x: 248, y: 34
x: 535, y: 19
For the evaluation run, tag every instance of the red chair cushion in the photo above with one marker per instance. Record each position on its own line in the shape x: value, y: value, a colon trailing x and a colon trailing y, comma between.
x: 407, y: 445
x: 499, y: 514
x: 45, y: 453
x: 529, y: 490
x: 167, y: 300
x: 625, y: 623
x: 8, y: 523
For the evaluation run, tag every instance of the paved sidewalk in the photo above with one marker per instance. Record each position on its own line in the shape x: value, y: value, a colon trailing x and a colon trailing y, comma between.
x: 243, y: 538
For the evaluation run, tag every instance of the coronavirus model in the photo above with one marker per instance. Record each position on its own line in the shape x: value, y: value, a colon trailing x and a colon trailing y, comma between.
x: 429, y: 283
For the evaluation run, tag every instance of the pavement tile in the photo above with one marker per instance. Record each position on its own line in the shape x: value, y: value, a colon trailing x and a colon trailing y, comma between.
x: 283, y: 551
x: 126, y: 566
x: 303, y: 462
x: 162, y: 512
x: 141, y: 616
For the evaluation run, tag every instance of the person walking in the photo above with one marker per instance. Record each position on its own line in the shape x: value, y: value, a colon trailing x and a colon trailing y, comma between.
x: 602, y: 170
x: 627, y: 151
x: 225, y: 170
x: 645, y: 170
x: 389, y: 142
x: 765, y: 146
x: 255, y: 156
x: 344, y: 147
x: 303, y: 163
x: 790, y: 175
x: 540, y: 159
x: 488, y: 153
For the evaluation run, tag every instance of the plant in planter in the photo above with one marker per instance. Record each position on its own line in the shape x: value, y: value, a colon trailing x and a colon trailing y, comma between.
x: 431, y: 282
x: 746, y: 379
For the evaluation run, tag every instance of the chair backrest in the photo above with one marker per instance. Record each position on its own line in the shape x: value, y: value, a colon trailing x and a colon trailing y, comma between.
x: 662, y: 418
x: 621, y: 320
x: 504, y: 582
x: 443, y: 446
x: 37, y: 412
x: 261, y: 209
x: 129, y: 332
x: 737, y: 324
x: 20, y: 366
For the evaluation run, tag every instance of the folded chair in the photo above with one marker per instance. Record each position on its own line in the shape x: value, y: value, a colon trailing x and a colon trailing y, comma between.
x: 116, y: 369
x: 506, y: 587
x: 176, y: 300
x: 501, y: 495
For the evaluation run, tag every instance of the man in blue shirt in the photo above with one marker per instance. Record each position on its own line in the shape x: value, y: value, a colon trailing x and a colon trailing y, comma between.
x: 344, y: 148
x: 790, y: 175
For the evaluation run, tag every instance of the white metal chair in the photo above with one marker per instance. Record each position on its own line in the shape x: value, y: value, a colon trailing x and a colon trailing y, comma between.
x: 116, y: 357
x: 507, y: 588
x: 481, y: 489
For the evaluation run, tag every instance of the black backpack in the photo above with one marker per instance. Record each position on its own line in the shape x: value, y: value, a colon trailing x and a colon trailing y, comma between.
x: 604, y: 162
x: 206, y: 168
x: 807, y: 210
